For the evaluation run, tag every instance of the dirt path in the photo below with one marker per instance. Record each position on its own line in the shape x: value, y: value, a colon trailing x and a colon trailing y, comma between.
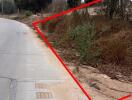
x: 100, y: 86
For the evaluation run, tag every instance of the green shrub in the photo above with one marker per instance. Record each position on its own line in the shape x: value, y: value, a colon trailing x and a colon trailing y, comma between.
x: 28, y: 13
x: 62, y: 24
x: 52, y: 25
x: 79, y: 18
x: 83, y: 37
x: 77, y: 28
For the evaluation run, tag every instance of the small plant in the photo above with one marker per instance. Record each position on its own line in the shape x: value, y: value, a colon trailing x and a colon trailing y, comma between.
x: 51, y: 25
x: 28, y: 13
x: 83, y: 37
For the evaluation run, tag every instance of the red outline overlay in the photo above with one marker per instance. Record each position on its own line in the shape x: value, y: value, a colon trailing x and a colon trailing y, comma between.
x: 125, y: 97
x: 34, y: 24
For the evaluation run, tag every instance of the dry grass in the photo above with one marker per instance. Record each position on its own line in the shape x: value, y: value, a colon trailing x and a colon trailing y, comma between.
x: 113, y: 40
x: 114, y: 51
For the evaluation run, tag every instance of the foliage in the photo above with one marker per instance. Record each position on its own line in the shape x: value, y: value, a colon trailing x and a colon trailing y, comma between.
x: 56, y: 7
x: 78, y: 29
x: 59, y: 6
x: 83, y: 37
x: 114, y: 51
x: 28, y: 13
x: 51, y: 25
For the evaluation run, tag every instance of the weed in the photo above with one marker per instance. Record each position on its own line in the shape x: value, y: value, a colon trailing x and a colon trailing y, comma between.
x: 114, y: 51
x: 28, y: 13
x: 83, y: 37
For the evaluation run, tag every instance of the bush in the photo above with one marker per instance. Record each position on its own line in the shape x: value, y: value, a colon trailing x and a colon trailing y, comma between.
x: 79, y: 18
x: 83, y: 37
x: 58, y: 6
x: 77, y: 28
x: 114, y: 51
x: 62, y: 24
x: 28, y: 13
x: 51, y: 25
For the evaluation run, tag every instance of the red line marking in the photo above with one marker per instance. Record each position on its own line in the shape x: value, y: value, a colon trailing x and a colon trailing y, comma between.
x: 125, y: 97
x: 67, y: 11
x: 34, y: 24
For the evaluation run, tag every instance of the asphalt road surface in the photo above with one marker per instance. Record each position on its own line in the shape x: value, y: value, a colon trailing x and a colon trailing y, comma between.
x: 29, y: 70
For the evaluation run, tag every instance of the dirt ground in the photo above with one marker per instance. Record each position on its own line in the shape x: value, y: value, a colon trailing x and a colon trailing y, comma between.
x: 97, y: 83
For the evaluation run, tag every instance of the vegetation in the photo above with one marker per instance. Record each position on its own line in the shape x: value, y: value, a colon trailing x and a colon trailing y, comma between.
x: 96, y: 41
x: 83, y: 37
x: 28, y: 13
x: 78, y: 29
x: 32, y: 5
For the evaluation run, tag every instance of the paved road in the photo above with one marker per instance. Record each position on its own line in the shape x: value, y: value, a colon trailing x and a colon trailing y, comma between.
x: 28, y: 69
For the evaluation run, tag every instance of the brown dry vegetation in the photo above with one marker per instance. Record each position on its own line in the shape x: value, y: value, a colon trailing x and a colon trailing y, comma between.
x: 111, y: 50
x: 115, y: 43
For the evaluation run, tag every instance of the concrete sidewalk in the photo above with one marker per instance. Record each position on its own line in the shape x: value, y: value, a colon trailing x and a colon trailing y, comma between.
x: 29, y: 70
